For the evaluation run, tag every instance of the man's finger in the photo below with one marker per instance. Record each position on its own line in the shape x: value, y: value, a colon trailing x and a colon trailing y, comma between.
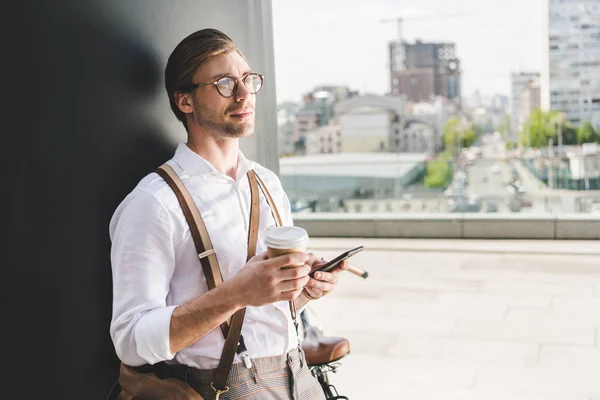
x: 329, y: 277
x: 320, y: 285
x: 259, y: 257
x: 287, y: 259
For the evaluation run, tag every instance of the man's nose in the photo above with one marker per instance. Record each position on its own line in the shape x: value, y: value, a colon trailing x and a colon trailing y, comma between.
x: 242, y: 91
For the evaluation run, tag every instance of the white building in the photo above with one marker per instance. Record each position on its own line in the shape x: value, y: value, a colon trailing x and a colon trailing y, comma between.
x: 286, y: 121
x: 323, y: 140
x: 530, y: 100
x: 571, y: 81
x: 368, y: 123
x: 350, y: 175
x: 436, y: 113
x: 373, y: 123
x: 416, y: 136
x: 519, y: 83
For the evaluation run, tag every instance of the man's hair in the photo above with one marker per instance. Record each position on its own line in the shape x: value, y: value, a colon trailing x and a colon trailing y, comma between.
x: 188, y: 55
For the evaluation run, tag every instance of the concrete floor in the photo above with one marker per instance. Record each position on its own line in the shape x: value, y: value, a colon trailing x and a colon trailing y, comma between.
x: 468, y: 320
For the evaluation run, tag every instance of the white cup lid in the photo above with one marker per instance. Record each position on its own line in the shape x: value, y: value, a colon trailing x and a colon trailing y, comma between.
x: 286, y: 237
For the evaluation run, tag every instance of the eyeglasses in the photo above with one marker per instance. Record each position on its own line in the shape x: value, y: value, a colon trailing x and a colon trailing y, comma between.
x: 227, y: 86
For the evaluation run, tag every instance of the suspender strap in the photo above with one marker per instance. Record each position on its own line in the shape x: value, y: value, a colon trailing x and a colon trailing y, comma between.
x: 206, y: 253
x: 265, y: 191
x: 277, y: 217
x: 231, y: 331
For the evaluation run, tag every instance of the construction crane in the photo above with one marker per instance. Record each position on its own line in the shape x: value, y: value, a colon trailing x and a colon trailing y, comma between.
x: 399, y: 20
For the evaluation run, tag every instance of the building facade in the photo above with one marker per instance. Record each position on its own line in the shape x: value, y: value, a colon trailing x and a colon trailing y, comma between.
x: 519, y: 83
x: 423, y: 71
x: 572, y: 84
x: 324, y: 139
x: 373, y: 123
x: 416, y: 136
x: 530, y: 100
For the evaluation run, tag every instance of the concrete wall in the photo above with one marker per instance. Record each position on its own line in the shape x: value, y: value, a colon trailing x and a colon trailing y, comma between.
x: 449, y: 226
x: 85, y: 116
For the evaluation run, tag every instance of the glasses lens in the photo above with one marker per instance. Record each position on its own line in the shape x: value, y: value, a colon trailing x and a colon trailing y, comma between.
x: 253, y: 83
x: 226, y: 86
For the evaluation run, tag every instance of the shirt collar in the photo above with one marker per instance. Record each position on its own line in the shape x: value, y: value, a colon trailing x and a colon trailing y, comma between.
x: 195, y: 165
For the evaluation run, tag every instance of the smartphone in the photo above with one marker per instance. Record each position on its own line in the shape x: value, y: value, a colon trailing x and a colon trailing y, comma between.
x: 336, y: 261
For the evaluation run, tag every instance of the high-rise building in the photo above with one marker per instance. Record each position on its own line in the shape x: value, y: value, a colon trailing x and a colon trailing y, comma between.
x: 530, y: 100
x: 423, y: 71
x: 571, y: 81
x: 519, y: 83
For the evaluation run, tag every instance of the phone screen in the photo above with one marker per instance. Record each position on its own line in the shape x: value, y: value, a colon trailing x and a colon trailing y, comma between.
x: 336, y: 261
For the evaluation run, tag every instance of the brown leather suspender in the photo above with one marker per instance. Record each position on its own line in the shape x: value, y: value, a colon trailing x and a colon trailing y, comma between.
x: 231, y: 329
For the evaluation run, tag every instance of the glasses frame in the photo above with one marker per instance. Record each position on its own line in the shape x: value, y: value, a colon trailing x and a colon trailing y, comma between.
x: 243, y: 78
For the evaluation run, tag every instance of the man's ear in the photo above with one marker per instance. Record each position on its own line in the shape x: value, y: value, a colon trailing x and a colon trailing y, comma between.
x: 184, y: 102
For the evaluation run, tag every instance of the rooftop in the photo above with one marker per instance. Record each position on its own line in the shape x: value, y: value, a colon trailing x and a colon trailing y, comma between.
x: 383, y: 165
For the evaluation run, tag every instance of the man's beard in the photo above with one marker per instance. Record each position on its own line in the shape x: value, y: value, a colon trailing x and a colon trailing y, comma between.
x: 211, y: 121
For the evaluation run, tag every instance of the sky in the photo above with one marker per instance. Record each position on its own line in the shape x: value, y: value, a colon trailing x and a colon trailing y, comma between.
x: 345, y: 42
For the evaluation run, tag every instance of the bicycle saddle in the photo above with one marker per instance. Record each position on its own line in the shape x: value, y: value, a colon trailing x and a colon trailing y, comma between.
x: 320, y: 349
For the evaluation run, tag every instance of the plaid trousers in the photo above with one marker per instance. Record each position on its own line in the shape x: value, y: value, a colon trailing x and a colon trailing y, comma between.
x: 284, y: 377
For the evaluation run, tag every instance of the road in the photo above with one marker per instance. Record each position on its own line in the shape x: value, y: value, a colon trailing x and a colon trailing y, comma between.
x: 490, y: 187
x: 490, y: 174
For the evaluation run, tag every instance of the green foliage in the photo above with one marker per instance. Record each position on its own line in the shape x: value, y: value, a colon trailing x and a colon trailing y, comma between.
x: 456, y: 134
x: 545, y: 125
x: 569, y: 134
x: 587, y: 134
x: 539, y: 128
x: 438, y: 174
x: 511, y: 144
x: 504, y: 127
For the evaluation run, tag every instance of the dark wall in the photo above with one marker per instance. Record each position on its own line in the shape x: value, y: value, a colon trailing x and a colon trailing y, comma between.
x: 84, y: 117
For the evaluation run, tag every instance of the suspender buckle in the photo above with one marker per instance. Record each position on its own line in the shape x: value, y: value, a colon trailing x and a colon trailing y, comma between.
x: 206, y: 253
x: 218, y: 392
x: 246, y: 359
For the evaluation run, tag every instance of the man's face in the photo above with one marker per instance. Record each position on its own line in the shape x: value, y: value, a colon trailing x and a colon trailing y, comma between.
x: 231, y: 117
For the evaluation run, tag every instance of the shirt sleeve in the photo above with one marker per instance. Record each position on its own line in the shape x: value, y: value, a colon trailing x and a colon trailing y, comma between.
x: 143, y: 261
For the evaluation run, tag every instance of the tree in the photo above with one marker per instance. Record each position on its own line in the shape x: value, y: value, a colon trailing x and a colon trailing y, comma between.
x: 438, y: 174
x: 545, y: 125
x: 458, y: 134
x: 504, y: 127
x: 587, y: 134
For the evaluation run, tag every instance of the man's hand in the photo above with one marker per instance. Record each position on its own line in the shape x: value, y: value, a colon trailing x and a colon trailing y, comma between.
x: 262, y: 281
x: 323, y: 282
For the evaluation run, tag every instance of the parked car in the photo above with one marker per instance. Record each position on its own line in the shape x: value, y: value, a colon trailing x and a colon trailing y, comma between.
x: 514, y: 204
x: 495, y: 169
x: 491, y: 207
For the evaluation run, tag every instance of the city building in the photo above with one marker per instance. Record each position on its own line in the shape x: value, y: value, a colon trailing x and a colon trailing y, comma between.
x: 423, y: 71
x: 286, y: 121
x: 345, y: 176
x: 571, y: 81
x: 519, y: 84
x: 324, y: 139
x: 416, y: 136
x: 436, y: 113
x: 317, y: 111
x: 530, y: 100
x: 306, y: 120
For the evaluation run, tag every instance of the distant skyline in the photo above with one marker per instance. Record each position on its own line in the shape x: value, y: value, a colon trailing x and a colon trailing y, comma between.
x: 344, y: 42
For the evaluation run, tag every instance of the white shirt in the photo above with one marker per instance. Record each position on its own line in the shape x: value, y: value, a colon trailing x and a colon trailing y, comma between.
x: 155, y: 264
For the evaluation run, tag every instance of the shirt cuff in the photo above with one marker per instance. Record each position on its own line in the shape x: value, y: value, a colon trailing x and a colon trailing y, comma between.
x: 152, y: 335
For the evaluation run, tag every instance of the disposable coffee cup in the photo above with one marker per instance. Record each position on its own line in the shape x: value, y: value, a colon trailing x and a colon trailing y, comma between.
x: 282, y: 240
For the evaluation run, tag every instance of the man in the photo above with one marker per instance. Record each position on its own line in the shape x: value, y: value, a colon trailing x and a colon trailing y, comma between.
x: 162, y: 308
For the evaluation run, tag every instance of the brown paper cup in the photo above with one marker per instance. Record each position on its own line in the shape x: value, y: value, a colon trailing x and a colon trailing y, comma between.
x: 272, y: 253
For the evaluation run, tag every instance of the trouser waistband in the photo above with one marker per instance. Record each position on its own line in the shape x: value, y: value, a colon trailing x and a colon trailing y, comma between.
x: 239, y: 372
